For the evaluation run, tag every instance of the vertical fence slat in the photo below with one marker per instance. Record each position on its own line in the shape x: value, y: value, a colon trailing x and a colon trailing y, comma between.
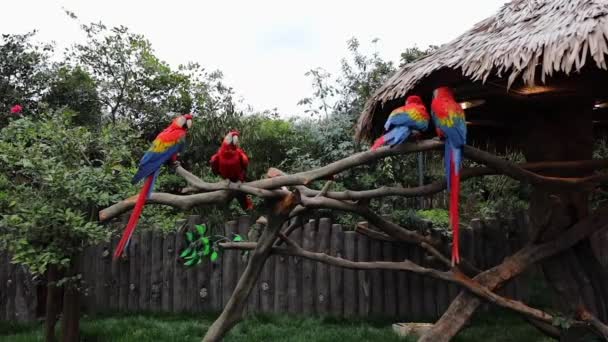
x: 266, y: 290
x: 294, y: 281
x: 168, y: 263
x: 144, y: 273
x: 134, y: 270
x: 442, y: 292
x: 429, y: 284
x: 363, y: 276
x: 156, y: 272
x: 390, y: 283
x: 308, y: 270
x: 323, y: 293
x: 192, y: 291
x: 229, y: 263
x: 280, y: 282
x: 10, y: 291
x: 336, y: 275
x: 403, y: 290
x: 123, y: 282
x: 4, y: 260
x: 179, y: 273
x: 115, y: 276
x: 215, y: 285
x: 88, y: 280
x: 377, y: 287
x: 350, y: 276
x: 102, y: 284
x: 415, y: 284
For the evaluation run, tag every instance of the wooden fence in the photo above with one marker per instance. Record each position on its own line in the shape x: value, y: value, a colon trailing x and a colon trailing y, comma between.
x: 153, y: 277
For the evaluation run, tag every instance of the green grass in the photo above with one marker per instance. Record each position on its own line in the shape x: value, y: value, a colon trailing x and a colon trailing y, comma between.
x: 497, y: 326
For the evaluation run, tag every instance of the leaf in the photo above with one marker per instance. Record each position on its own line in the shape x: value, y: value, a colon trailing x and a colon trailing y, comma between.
x: 201, y: 229
x: 214, y: 256
x: 185, y: 252
x: 205, y: 241
x: 189, y: 262
x: 206, y: 249
x: 237, y: 238
x: 189, y: 236
x: 192, y: 256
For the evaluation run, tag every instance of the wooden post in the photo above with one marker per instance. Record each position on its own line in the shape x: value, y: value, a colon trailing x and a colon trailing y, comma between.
x: 123, y: 288
x: 350, y: 276
x: 179, y: 275
x: 403, y: 289
x: 229, y: 264
x: 377, y: 284
x: 103, y: 276
x: 145, y: 296
x: 115, y: 277
x: 336, y: 275
x: 323, y: 289
x: 295, y: 277
x: 363, y: 276
x: 168, y: 269
x: 134, y: 272
x: 4, y: 261
x: 308, y: 269
x: 415, y: 284
x: 390, y: 282
x: 280, y: 282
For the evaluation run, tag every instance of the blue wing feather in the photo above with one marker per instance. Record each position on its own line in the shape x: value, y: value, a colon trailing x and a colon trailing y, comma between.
x: 152, y: 161
x: 396, y: 135
x: 399, y: 120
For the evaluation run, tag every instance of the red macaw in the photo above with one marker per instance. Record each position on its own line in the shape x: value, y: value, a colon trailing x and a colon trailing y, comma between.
x: 450, y: 124
x: 402, y: 121
x: 230, y: 162
x: 165, y: 147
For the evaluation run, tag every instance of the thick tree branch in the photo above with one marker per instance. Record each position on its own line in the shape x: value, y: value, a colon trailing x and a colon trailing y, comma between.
x: 465, y: 304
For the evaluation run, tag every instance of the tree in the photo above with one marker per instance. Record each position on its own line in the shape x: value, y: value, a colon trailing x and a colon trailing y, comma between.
x: 24, y: 72
x: 283, y: 204
x: 55, y: 176
x: 76, y: 90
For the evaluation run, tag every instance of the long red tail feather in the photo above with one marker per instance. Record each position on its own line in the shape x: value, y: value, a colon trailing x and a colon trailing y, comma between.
x: 378, y: 143
x: 139, y: 206
x: 454, y: 215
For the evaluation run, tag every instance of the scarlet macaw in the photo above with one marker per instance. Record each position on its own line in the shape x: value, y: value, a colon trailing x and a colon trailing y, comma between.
x: 230, y: 162
x: 402, y: 121
x: 165, y: 147
x: 450, y: 123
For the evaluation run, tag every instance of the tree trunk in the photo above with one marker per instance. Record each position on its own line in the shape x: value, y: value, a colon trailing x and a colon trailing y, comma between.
x: 565, y: 132
x: 233, y: 311
x: 53, y: 302
x: 71, y: 305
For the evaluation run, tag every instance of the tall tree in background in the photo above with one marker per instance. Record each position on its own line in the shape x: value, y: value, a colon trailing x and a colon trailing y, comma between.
x: 24, y: 72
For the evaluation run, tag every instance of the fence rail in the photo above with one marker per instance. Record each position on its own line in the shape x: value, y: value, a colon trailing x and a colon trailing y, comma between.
x: 153, y: 278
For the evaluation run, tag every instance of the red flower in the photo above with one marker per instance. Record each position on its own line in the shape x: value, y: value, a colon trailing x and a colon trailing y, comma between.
x: 16, y: 109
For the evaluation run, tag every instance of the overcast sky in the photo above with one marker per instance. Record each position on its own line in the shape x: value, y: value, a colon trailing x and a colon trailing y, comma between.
x: 263, y: 47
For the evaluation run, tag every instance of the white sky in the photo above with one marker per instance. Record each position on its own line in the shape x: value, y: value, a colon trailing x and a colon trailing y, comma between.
x: 263, y: 47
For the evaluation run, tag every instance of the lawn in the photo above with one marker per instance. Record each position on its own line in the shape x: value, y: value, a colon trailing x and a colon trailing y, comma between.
x: 498, y: 326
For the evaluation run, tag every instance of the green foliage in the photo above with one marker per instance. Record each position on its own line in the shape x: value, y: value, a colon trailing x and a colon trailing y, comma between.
x: 24, y: 73
x: 61, y: 176
x: 202, y: 244
x: 76, y: 90
x: 439, y: 217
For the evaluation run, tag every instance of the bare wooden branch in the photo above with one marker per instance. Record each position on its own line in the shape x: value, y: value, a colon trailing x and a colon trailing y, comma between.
x: 465, y: 304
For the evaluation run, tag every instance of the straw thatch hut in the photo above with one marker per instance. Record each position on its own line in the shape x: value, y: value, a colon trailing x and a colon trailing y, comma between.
x: 532, y: 76
x: 529, y: 52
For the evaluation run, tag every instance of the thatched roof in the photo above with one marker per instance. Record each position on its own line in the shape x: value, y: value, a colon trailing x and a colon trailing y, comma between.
x: 526, y: 40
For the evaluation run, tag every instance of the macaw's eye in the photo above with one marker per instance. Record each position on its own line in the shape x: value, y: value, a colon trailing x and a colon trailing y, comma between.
x: 235, y: 139
x: 228, y: 139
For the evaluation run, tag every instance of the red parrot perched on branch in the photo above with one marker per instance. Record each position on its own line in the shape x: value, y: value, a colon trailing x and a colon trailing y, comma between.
x: 230, y: 162
x: 403, y: 121
x: 165, y: 147
x: 450, y: 123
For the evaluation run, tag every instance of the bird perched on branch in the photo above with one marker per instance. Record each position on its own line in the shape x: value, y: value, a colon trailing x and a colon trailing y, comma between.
x: 231, y: 162
x: 450, y: 124
x: 167, y: 145
x: 403, y: 121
